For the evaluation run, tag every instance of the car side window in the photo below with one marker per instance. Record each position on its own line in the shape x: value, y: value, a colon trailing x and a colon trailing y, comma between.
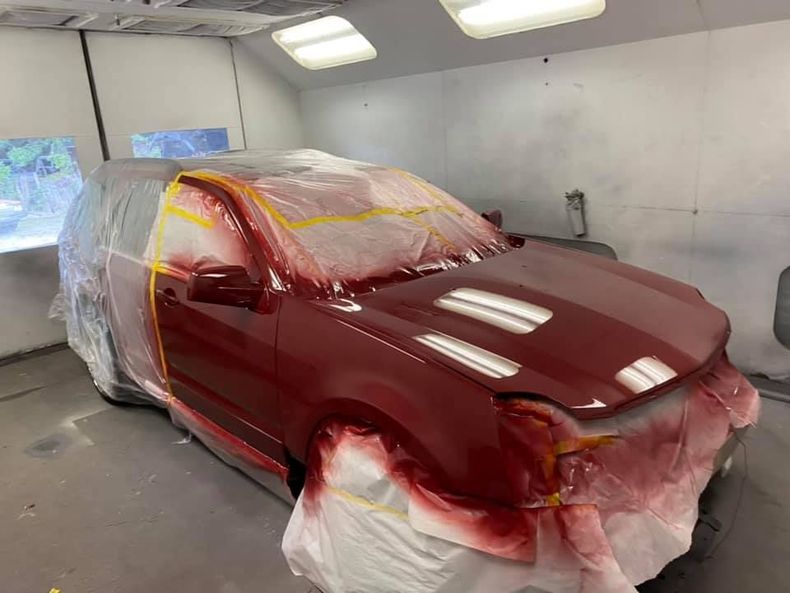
x: 198, y: 231
x: 131, y: 213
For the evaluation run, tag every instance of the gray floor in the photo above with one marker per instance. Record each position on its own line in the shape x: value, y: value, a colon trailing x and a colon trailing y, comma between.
x: 101, y: 499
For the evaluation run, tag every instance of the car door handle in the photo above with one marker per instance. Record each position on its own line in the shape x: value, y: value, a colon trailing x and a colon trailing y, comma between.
x: 168, y: 297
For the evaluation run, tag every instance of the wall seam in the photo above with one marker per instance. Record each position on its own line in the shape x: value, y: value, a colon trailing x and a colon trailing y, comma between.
x: 700, y: 145
x: 105, y: 150
x: 446, y: 156
x: 238, y: 93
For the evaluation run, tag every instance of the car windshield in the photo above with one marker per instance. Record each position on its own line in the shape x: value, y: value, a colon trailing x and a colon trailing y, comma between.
x: 341, y: 227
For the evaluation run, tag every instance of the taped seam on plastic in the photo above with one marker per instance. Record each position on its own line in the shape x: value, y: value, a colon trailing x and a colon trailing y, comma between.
x: 427, y: 188
x: 190, y: 216
x: 583, y: 444
x: 412, y: 215
x: 172, y: 189
x: 541, y: 419
x: 365, y: 503
x: 567, y: 447
x: 243, y: 189
x: 366, y: 215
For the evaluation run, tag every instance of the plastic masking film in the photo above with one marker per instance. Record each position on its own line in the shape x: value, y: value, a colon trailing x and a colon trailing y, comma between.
x: 337, y: 227
x: 104, y: 276
x: 605, y: 505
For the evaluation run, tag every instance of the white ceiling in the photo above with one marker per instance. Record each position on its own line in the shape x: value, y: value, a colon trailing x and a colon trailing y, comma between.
x: 415, y: 36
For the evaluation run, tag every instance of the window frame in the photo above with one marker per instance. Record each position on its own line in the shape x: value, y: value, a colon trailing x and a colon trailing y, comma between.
x: 263, y: 271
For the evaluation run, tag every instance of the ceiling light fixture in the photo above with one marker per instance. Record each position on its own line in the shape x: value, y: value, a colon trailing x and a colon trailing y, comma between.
x: 325, y: 43
x: 482, y: 19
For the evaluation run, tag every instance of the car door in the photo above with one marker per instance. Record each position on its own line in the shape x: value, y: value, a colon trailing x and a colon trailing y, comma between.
x: 220, y: 359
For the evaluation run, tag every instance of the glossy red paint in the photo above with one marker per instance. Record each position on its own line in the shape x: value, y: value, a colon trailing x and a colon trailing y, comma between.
x: 606, y: 315
x: 275, y: 373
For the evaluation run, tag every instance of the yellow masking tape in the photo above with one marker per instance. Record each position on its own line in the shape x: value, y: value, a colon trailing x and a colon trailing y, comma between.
x: 250, y: 192
x: 364, y: 216
x: 365, y: 503
x: 190, y: 216
x: 243, y: 189
x: 428, y: 189
x: 583, y: 444
x: 172, y: 190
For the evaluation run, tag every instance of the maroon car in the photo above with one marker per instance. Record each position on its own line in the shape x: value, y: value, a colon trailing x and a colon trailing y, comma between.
x: 261, y: 296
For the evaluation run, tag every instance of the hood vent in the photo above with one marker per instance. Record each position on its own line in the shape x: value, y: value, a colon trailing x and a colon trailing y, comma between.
x: 219, y: 18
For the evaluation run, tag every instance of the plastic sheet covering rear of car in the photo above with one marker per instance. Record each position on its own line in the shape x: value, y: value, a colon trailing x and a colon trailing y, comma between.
x: 108, y: 228
x: 604, y: 505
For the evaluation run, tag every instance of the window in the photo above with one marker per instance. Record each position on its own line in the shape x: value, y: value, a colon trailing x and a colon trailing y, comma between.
x: 198, y: 231
x: 325, y: 43
x: 176, y: 144
x: 482, y: 19
x: 782, y: 314
x: 38, y: 179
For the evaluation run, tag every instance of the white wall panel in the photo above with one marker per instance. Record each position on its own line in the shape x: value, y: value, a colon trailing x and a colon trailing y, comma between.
x: 44, y: 92
x: 737, y: 262
x: 396, y: 122
x: 148, y: 83
x: 269, y: 105
x: 747, y: 121
x: 661, y: 135
x: 597, y: 119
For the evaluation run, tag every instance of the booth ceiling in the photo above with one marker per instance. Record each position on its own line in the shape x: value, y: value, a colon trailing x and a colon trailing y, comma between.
x: 181, y: 17
x: 417, y: 36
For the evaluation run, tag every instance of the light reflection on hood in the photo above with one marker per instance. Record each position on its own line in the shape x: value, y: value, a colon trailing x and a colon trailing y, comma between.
x: 513, y: 315
x: 473, y: 357
x: 645, y: 374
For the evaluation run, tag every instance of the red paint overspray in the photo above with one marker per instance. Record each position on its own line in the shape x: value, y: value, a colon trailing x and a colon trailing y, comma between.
x: 627, y: 502
x: 230, y: 448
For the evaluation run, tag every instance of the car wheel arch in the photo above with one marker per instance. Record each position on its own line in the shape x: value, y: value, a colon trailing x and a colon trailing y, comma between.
x: 363, y: 414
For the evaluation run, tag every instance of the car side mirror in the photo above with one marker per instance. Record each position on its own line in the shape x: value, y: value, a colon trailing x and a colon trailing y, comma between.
x: 224, y: 285
x: 494, y: 217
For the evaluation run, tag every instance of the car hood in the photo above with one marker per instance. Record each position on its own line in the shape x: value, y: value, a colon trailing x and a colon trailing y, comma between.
x: 593, y: 335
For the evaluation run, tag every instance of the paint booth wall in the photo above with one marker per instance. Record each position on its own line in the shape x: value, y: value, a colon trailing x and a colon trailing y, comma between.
x: 144, y: 83
x: 149, y: 83
x: 44, y: 92
x: 269, y: 105
x: 681, y: 145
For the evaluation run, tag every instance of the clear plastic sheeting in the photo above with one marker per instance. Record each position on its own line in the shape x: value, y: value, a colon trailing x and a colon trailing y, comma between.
x: 104, y: 297
x: 336, y: 227
x: 604, y: 505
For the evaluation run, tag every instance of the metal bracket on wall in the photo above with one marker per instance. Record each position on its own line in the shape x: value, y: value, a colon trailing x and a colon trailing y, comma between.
x: 575, y: 207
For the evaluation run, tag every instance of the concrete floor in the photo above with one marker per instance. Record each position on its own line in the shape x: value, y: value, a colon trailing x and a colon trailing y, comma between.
x: 95, y: 498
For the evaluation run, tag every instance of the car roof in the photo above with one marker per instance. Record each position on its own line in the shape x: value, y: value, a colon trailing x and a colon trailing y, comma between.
x: 256, y: 163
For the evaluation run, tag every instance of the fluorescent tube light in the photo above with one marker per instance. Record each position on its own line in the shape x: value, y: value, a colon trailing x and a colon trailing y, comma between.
x: 325, y: 43
x: 482, y: 19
